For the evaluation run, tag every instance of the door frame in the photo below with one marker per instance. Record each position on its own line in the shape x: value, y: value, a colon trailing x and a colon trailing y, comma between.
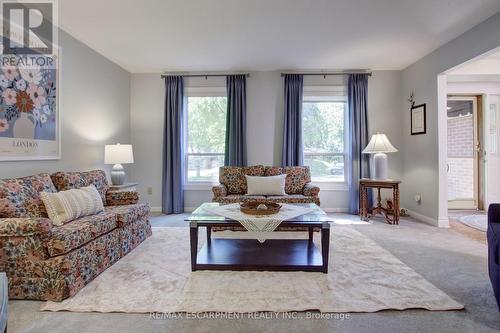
x: 478, y: 165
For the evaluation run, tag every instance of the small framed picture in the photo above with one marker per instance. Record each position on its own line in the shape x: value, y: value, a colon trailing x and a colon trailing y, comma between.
x: 418, y: 121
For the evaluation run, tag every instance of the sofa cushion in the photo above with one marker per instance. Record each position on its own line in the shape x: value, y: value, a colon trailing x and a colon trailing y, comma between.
x: 234, y: 177
x: 234, y: 198
x: 20, y: 198
x: 65, y: 206
x: 79, y: 232
x: 296, y: 177
x: 126, y: 214
x: 69, y: 180
x: 291, y: 198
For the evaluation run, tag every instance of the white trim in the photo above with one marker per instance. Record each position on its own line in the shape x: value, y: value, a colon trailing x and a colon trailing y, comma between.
x: 424, y: 218
x: 336, y: 210
x: 189, y: 209
x: 200, y: 186
x: 330, y: 186
x: 156, y: 209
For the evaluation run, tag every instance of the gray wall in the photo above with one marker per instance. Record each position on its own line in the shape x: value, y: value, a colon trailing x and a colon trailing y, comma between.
x: 264, y: 121
x: 421, y: 152
x: 94, y: 108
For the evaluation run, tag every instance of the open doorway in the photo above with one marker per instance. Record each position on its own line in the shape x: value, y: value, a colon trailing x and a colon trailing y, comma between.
x: 472, y: 119
x: 465, y: 153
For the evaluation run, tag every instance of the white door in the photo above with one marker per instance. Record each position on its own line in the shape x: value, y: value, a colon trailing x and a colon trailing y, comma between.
x: 492, y: 134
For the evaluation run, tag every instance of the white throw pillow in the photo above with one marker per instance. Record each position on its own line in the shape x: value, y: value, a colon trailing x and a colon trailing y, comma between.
x: 271, y: 185
x: 68, y: 205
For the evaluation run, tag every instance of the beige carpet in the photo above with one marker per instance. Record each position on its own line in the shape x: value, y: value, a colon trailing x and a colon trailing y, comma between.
x: 156, y: 277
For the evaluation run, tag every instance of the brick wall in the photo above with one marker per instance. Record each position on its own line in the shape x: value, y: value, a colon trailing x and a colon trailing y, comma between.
x: 461, y: 136
x: 460, y: 157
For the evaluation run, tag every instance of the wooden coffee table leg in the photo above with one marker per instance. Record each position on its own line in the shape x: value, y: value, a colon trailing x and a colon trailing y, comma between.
x: 193, y: 237
x: 311, y: 233
x: 325, y: 244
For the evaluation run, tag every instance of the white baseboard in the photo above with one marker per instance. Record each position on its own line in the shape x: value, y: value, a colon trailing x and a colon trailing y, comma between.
x: 156, y: 209
x: 424, y: 218
x: 335, y: 210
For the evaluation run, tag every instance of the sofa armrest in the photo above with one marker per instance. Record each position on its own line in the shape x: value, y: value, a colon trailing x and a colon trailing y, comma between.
x: 12, y: 227
x: 122, y: 198
x: 310, y: 190
x: 494, y: 213
x: 219, y: 190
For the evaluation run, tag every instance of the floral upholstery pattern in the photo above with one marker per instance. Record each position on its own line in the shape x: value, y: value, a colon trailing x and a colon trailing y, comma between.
x: 133, y: 234
x: 219, y: 190
x: 47, y: 262
x: 234, y: 198
x: 80, y: 231
x: 296, y: 177
x: 129, y: 213
x: 19, y: 197
x: 122, y: 198
x: 311, y: 190
x: 293, y: 198
x: 63, y: 276
x: 234, y: 177
x: 69, y: 180
x: 25, y: 226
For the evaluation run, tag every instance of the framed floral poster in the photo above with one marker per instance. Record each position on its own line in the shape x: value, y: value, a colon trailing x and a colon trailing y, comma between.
x: 29, y: 112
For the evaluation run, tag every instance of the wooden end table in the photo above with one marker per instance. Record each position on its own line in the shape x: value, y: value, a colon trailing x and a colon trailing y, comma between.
x: 364, y: 210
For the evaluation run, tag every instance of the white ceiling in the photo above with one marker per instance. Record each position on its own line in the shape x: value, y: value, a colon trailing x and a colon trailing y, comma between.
x: 222, y: 35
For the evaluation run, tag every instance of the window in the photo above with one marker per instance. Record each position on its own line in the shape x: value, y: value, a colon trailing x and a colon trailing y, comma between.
x: 324, y: 137
x: 205, y: 123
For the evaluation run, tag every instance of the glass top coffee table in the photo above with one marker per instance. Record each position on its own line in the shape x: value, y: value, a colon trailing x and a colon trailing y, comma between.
x: 250, y: 254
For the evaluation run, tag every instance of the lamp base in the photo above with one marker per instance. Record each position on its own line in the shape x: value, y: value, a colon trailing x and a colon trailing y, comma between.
x: 117, y: 175
x: 380, y: 162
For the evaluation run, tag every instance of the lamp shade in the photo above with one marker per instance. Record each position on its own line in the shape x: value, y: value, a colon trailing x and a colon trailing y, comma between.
x: 118, y: 154
x: 379, y: 144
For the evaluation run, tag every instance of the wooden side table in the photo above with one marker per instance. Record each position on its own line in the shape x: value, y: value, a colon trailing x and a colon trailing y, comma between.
x: 364, y: 210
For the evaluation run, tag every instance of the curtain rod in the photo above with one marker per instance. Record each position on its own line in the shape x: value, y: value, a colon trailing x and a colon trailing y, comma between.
x: 328, y: 73
x: 203, y: 75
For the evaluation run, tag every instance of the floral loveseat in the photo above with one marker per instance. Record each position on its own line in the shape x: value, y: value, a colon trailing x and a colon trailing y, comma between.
x: 48, y: 262
x: 233, y: 184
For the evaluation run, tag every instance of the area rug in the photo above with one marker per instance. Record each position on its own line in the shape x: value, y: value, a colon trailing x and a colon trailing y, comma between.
x: 156, y: 277
x: 479, y: 222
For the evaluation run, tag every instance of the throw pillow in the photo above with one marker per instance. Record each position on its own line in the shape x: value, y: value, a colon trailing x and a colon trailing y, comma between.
x: 272, y: 185
x: 68, y: 205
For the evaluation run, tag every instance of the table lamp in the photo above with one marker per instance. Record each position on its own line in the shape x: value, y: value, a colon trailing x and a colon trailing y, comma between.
x: 118, y: 154
x: 379, y: 145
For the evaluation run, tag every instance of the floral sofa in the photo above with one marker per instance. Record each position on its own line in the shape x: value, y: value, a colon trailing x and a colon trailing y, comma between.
x: 48, y: 262
x: 233, y: 188
x: 233, y: 184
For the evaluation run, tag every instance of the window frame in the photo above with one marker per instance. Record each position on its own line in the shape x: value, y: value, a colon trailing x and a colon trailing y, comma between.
x: 197, y: 92
x: 332, y: 93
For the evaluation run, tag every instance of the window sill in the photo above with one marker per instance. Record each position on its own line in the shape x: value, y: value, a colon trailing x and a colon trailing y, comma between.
x: 325, y: 185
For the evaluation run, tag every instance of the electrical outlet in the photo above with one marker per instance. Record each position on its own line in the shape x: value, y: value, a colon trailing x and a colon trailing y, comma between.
x: 418, y: 198
x: 150, y: 190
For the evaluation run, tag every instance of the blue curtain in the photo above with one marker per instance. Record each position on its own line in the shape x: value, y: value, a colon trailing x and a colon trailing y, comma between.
x: 173, y: 157
x: 236, y: 146
x: 359, y: 166
x: 292, y: 152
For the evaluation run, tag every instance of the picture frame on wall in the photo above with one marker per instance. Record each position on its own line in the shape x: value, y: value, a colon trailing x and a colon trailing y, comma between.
x: 418, y: 119
x: 29, y: 108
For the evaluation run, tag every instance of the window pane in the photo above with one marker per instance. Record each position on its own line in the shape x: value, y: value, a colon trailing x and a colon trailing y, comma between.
x: 206, y: 124
x: 326, y: 168
x: 204, y: 168
x: 323, y: 127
